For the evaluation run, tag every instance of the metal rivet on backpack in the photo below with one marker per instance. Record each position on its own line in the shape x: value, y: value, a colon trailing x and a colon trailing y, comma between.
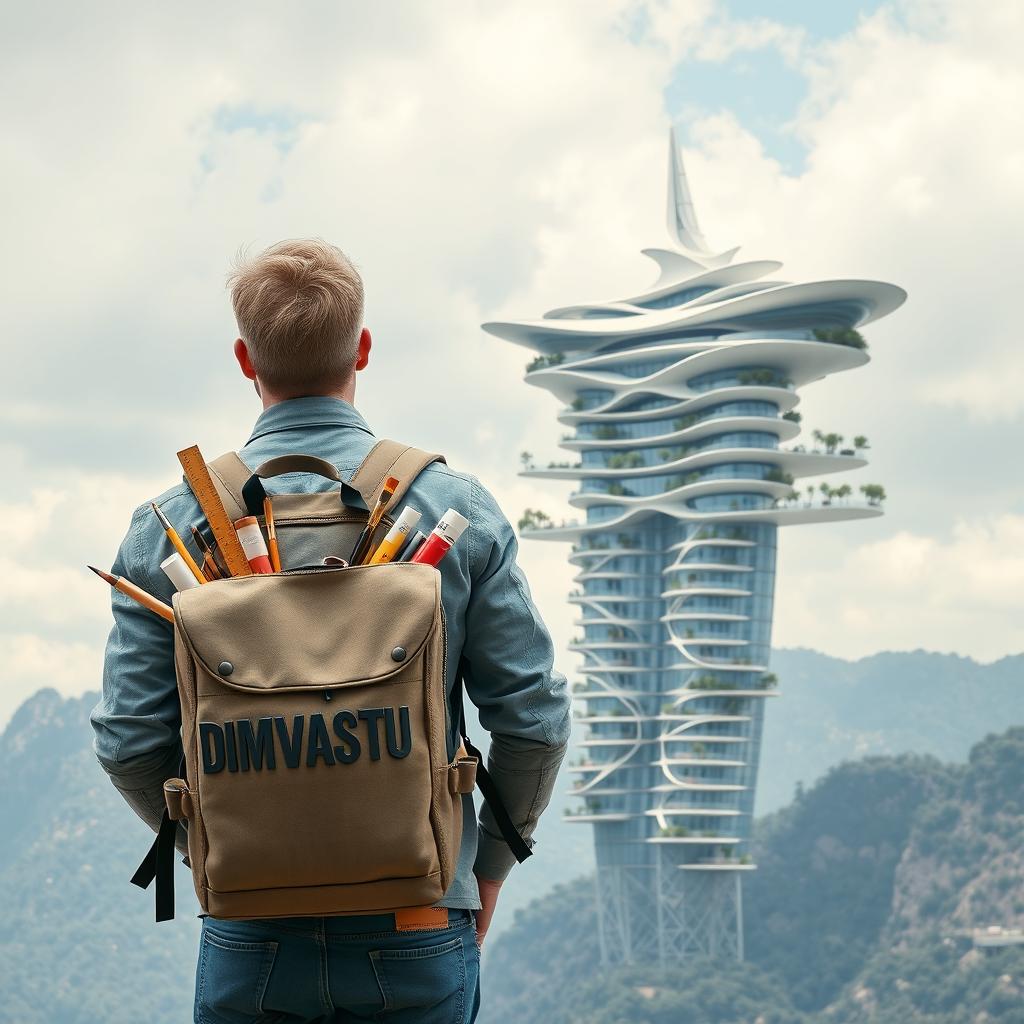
x: 398, y: 654
x: 225, y: 668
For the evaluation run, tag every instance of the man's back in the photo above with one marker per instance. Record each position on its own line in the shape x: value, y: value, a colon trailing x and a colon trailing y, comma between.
x: 489, y: 616
x: 299, y: 307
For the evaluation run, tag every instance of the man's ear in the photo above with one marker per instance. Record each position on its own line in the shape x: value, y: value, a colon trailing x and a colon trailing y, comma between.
x: 242, y: 355
x: 363, y: 352
x: 244, y: 362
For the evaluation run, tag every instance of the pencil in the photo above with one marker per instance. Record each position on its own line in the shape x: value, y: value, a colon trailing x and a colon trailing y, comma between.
x: 210, y: 568
x: 136, y: 594
x: 363, y: 543
x: 179, y: 545
x: 268, y: 517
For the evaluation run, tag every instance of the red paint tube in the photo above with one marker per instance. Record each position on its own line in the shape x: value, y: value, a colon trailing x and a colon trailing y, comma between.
x: 255, y: 547
x: 442, y: 537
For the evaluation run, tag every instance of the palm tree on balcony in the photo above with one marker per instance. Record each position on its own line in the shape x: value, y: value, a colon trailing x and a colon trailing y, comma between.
x: 832, y: 442
x: 526, y: 458
x: 860, y: 443
x: 875, y: 493
x: 532, y: 519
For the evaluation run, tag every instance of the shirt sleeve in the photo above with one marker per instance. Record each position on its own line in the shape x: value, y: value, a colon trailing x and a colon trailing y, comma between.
x: 137, y: 722
x: 509, y: 673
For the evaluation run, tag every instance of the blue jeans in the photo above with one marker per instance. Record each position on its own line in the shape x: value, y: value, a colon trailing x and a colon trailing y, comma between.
x: 336, y: 970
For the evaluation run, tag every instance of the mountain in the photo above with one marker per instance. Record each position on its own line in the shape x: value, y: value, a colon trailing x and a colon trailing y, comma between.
x: 895, y: 702
x: 829, y: 710
x: 78, y: 943
x: 866, y: 880
x: 861, y: 912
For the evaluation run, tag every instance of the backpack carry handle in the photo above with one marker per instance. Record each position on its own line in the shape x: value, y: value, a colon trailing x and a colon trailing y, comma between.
x: 253, y: 492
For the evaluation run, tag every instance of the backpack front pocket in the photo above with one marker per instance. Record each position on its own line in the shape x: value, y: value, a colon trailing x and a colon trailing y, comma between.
x: 316, y: 732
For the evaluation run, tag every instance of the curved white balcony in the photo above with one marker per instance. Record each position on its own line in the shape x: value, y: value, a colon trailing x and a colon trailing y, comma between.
x: 718, y: 277
x: 596, y: 816
x: 608, y: 412
x: 700, y: 762
x: 784, y: 430
x: 574, y: 530
x: 685, y: 492
x: 842, y: 303
x: 696, y: 840
x: 796, y: 360
x: 678, y: 568
x: 694, y: 811
x: 798, y: 464
x: 681, y: 694
x: 717, y: 865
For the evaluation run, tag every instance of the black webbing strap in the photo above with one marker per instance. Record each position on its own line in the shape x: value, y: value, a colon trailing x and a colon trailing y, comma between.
x: 516, y: 843
x: 159, y: 864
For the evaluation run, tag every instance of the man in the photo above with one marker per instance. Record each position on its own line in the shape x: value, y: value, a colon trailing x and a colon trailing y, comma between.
x: 299, y: 308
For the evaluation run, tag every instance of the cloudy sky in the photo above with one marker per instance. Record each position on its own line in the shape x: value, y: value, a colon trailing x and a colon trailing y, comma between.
x: 481, y: 160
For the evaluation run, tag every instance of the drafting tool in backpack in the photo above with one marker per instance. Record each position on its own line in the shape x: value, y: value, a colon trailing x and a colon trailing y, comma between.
x: 198, y: 477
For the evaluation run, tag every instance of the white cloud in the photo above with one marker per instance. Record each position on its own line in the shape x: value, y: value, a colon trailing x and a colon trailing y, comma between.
x: 957, y: 593
x: 32, y: 662
x: 501, y: 162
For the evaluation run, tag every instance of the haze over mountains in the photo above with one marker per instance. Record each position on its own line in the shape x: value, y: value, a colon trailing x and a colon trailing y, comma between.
x: 79, y: 944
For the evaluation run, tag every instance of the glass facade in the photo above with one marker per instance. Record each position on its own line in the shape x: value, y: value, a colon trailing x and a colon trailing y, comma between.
x: 674, y: 625
x: 677, y: 412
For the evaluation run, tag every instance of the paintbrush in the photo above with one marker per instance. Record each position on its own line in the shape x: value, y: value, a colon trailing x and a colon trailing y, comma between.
x: 362, y: 545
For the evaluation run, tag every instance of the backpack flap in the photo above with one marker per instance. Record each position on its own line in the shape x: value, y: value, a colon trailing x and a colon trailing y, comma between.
x: 313, y: 629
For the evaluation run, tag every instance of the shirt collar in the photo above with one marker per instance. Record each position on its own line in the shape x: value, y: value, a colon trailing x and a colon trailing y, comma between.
x: 309, y: 411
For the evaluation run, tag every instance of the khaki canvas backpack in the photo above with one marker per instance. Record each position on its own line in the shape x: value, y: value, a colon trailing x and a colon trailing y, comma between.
x: 318, y: 776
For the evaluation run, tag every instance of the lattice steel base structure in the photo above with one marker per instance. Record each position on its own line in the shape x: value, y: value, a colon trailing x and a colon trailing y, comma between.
x: 678, y: 400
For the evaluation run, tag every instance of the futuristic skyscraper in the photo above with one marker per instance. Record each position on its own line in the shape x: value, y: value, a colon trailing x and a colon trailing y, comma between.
x: 679, y: 402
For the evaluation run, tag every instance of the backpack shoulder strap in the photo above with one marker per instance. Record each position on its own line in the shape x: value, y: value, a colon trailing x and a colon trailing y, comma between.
x: 390, y: 458
x: 230, y: 474
x: 386, y: 458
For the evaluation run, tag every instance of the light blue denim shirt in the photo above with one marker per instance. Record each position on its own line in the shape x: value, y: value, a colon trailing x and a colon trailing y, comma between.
x: 491, y: 619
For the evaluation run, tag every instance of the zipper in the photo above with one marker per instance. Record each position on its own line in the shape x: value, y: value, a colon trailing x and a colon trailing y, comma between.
x: 444, y: 668
x: 305, y: 570
x: 327, y: 518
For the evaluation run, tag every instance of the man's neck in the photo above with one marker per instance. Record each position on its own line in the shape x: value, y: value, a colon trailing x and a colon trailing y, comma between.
x: 347, y: 394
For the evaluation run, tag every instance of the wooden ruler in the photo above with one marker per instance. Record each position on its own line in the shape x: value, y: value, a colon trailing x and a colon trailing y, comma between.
x: 198, y: 477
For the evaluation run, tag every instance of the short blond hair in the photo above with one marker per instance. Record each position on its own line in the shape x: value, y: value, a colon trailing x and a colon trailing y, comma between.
x: 299, y: 308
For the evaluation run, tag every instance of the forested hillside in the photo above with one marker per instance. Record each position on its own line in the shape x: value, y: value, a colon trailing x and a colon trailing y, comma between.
x: 860, y: 913
x: 78, y: 943
x: 868, y: 884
